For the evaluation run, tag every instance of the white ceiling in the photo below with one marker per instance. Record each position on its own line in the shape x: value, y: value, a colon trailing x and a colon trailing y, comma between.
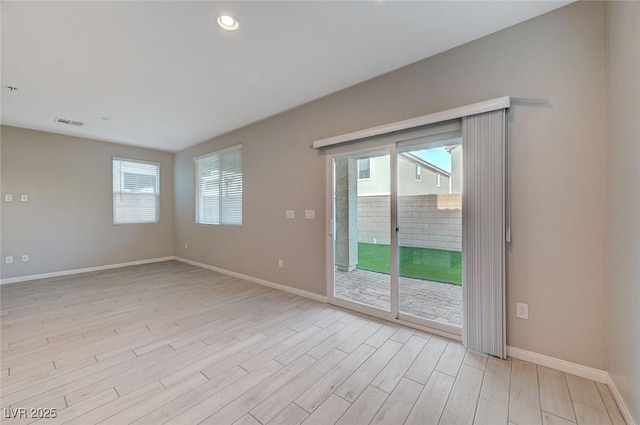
x: 167, y: 77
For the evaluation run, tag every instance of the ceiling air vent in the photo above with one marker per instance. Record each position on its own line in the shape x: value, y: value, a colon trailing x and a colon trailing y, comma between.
x: 68, y: 122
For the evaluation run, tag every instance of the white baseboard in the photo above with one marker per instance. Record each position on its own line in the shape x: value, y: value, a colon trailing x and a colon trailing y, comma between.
x: 626, y: 414
x: 558, y: 364
x: 582, y: 371
x: 83, y: 270
x: 285, y: 288
x: 259, y: 281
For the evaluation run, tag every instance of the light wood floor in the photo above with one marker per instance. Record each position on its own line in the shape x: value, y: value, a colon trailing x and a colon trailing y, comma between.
x: 172, y: 343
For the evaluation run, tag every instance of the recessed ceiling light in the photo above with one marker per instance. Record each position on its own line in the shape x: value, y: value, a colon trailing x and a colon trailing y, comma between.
x: 227, y: 22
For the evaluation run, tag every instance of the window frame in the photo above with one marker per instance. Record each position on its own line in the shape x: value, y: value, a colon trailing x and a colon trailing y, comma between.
x: 156, y: 193
x: 360, y: 169
x: 438, y: 180
x: 418, y: 175
x: 222, y: 187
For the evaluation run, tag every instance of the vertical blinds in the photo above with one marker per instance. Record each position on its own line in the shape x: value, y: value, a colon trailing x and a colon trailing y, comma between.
x: 219, y: 187
x: 136, y: 191
x: 483, y: 240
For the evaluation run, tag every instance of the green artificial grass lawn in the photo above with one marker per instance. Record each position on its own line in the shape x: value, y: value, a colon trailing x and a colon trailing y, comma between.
x: 421, y: 263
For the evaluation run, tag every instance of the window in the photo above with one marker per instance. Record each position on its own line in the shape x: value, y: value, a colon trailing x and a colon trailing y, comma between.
x: 364, y: 168
x: 418, y: 173
x: 136, y: 191
x: 437, y: 180
x: 219, y: 187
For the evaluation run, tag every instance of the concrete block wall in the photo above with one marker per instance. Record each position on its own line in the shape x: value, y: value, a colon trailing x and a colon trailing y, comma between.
x: 374, y: 218
x: 425, y: 221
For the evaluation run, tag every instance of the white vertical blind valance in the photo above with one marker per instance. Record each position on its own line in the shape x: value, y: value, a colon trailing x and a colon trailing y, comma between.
x: 483, y: 241
x: 415, y: 123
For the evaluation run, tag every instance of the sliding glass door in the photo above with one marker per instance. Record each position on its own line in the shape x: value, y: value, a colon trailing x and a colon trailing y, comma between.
x: 430, y: 231
x: 407, y: 243
x: 396, y: 245
x: 361, y: 221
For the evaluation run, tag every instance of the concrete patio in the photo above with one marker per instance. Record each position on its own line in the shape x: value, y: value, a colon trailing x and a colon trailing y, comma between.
x: 441, y: 302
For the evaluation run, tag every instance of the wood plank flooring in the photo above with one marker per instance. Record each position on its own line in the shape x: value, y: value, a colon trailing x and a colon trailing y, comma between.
x: 169, y: 343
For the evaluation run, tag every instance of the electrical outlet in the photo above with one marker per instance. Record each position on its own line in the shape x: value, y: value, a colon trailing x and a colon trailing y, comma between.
x: 9, y: 259
x: 280, y: 263
x: 290, y: 214
x: 25, y: 258
x: 522, y: 311
x: 309, y: 214
x: 8, y: 197
x: 24, y: 198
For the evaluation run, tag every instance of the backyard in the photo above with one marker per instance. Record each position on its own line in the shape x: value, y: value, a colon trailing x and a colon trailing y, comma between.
x: 421, y: 263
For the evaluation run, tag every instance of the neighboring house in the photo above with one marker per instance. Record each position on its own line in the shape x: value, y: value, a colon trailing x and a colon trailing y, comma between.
x: 416, y: 176
x: 429, y: 206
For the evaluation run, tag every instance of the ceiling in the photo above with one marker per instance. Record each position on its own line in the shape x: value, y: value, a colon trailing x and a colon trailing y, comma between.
x: 163, y: 75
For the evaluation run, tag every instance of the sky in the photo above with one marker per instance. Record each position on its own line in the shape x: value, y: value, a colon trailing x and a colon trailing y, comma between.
x: 436, y: 156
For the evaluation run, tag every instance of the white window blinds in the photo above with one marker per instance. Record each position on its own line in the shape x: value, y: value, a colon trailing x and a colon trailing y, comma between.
x: 219, y: 187
x: 136, y: 191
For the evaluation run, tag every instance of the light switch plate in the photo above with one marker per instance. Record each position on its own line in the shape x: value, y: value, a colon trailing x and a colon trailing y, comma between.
x: 8, y: 197
x: 9, y: 259
x: 290, y: 214
x: 310, y: 214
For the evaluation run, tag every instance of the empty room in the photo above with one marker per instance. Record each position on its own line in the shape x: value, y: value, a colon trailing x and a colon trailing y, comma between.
x: 320, y: 212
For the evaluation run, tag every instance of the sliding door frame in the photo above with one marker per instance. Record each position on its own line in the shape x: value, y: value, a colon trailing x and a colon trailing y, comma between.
x: 394, y: 314
x: 330, y: 198
x: 453, y: 129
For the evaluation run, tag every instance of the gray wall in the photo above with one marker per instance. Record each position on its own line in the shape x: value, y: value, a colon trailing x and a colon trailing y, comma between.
x: 623, y: 285
x: 556, y: 262
x: 68, y: 222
